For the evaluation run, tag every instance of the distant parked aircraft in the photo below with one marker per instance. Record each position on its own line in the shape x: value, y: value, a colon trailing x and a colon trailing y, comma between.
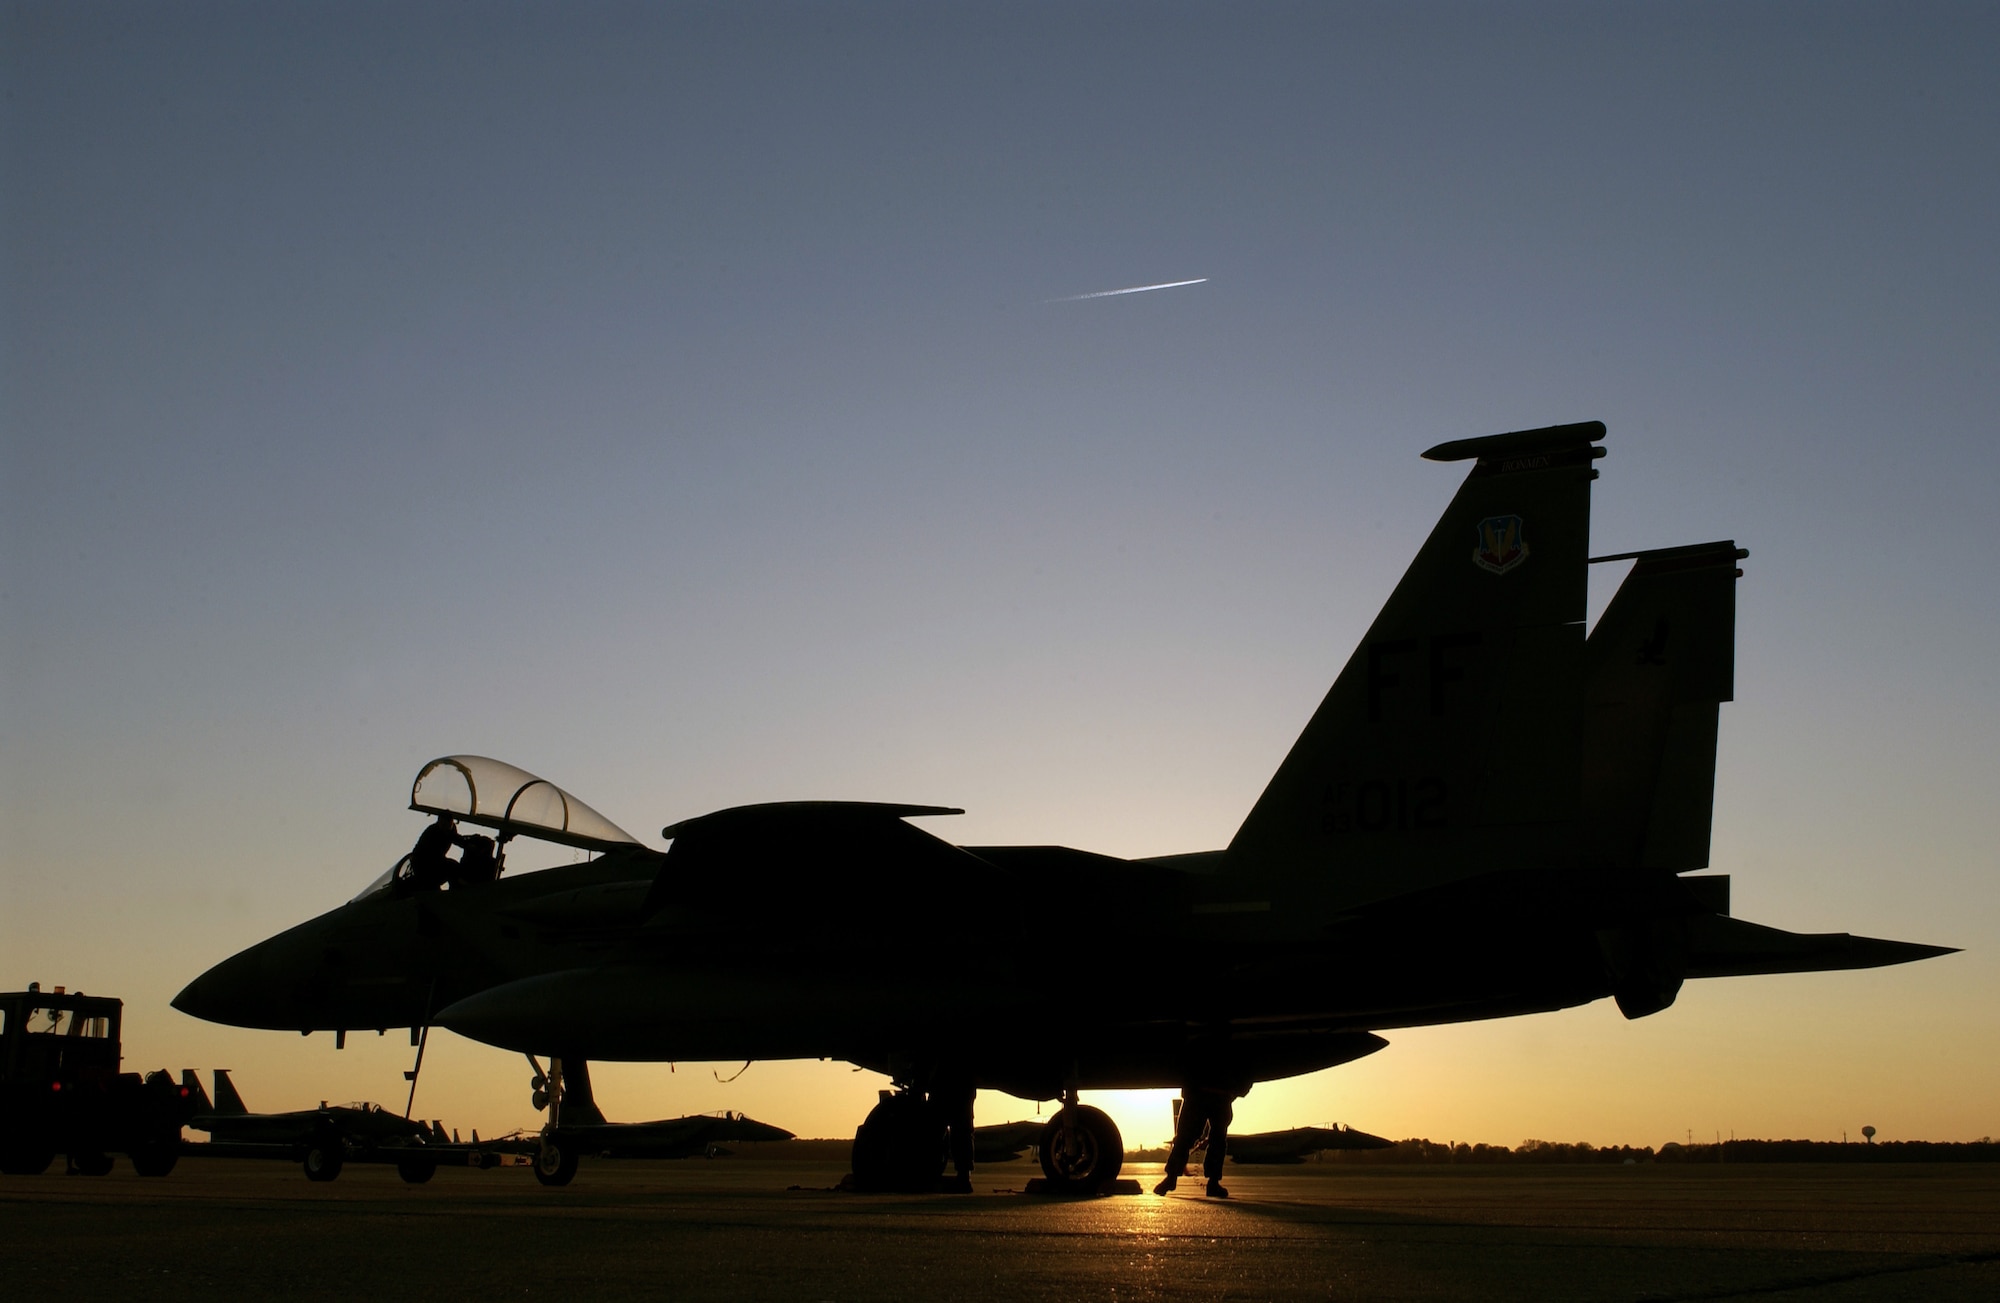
x: 581, y: 1128
x: 323, y: 1133
x: 1300, y: 1143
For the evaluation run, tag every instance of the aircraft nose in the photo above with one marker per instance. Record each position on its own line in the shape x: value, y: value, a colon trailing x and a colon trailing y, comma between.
x: 233, y: 992
x: 194, y: 1000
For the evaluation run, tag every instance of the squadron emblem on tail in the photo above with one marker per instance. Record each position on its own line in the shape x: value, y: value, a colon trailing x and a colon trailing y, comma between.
x: 1501, y: 546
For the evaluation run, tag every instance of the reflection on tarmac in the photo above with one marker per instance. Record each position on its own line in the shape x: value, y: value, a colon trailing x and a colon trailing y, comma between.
x: 731, y: 1229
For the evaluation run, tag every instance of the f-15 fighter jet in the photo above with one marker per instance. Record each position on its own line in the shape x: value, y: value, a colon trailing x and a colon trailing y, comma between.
x: 1490, y: 814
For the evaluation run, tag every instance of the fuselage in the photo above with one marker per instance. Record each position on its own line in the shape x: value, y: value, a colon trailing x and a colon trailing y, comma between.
x: 1116, y: 973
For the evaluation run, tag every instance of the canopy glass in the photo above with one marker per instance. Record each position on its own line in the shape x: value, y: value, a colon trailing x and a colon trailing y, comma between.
x: 493, y: 793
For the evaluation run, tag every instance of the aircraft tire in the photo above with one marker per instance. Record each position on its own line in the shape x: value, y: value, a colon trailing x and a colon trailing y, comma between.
x: 89, y: 1164
x: 899, y: 1148
x: 21, y: 1160
x: 1082, y: 1151
x: 156, y: 1159
x: 323, y: 1160
x: 416, y: 1171
x: 555, y: 1162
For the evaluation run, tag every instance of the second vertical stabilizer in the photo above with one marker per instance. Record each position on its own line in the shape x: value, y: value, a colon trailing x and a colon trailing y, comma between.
x: 1660, y: 661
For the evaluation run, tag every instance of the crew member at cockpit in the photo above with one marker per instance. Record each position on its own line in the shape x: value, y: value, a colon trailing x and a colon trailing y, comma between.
x: 477, y: 862
x: 430, y: 864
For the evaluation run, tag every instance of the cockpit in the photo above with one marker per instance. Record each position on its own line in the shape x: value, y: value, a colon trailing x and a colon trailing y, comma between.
x: 490, y: 794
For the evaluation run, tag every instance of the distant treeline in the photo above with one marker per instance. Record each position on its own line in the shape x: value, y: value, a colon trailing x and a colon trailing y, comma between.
x: 1408, y: 1152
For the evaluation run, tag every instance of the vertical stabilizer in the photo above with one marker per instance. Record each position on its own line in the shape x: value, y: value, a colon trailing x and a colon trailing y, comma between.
x: 1660, y: 662
x: 579, y: 1101
x: 1451, y: 744
x: 227, y: 1102
x: 193, y: 1092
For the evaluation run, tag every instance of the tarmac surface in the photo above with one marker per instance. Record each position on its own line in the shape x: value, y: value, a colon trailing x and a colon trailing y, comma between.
x: 730, y: 1228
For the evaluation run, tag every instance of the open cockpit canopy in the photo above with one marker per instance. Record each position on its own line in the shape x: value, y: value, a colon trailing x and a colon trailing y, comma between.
x: 513, y: 802
x: 494, y: 794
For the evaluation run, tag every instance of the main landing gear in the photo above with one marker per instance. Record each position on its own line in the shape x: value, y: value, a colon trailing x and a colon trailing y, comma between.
x: 902, y: 1146
x: 1082, y: 1152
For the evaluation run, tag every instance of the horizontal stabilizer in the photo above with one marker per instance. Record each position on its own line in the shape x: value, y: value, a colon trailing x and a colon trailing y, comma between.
x: 1730, y: 947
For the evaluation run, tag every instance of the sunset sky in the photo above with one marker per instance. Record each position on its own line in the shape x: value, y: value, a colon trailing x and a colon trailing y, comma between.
x: 694, y: 405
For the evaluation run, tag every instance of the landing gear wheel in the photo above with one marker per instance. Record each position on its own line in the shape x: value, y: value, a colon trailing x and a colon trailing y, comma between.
x: 900, y: 1147
x: 323, y: 1160
x: 89, y: 1164
x: 416, y: 1171
x: 156, y: 1159
x: 1082, y: 1151
x: 26, y: 1162
x: 555, y: 1163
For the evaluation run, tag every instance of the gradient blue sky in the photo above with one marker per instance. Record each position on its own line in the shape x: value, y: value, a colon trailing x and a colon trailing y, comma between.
x: 670, y: 401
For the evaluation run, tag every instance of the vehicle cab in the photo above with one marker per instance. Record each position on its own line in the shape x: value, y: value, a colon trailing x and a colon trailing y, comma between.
x: 61, y: 1091
x: 58, y: 1040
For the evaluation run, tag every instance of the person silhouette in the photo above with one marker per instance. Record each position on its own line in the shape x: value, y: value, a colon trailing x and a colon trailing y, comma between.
x: 477, y: 862
x: 1202, y: 1109
x: 430, y: 865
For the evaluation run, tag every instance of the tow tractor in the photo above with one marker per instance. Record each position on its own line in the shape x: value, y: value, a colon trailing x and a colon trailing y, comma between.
x: 61, y: 1091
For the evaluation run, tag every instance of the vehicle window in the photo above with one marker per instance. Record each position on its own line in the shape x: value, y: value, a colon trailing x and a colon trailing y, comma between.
x: 97, y: 1027
x: 48, y: 1021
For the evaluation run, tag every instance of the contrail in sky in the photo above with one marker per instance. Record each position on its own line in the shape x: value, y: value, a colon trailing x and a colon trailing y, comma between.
x: 1130, y: 289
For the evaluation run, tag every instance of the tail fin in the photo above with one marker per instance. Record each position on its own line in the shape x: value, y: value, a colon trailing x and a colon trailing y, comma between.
x: 192, y: 1092
x: 227, y: 1102
x: 1451, y: 744
x: 1660, y: 662
x: 579, y: 1102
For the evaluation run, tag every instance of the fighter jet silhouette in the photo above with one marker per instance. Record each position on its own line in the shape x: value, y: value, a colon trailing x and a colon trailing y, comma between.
x: 1490, y: 814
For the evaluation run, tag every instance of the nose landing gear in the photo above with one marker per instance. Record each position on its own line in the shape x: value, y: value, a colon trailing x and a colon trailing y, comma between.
x: 555, y: 1161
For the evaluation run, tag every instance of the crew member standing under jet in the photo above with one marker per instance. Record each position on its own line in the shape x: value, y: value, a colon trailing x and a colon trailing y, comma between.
x: 1201, y: 1107
x: 953, y: 1099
